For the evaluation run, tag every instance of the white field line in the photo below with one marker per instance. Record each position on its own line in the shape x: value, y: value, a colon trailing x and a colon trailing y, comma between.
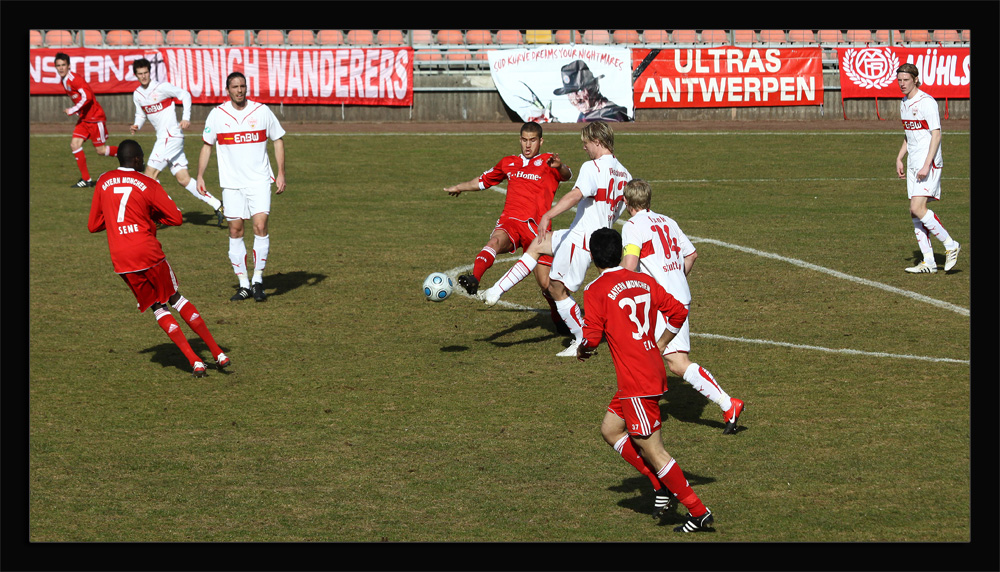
x: 454, y: 272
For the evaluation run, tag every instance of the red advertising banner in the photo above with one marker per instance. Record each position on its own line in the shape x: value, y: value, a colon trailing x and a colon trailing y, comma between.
x: 871, y: 71
x: 727, y: 76
x: 349, y: 75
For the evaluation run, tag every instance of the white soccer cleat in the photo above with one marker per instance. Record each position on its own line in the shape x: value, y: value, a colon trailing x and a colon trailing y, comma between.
x: 570, y: 351
x: 490, y: 296
x: 922, y: 268
x: 951, y: 257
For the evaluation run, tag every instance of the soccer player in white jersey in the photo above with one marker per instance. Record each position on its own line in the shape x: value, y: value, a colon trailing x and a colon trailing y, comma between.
x: 922, y: 171
x: 654, y: 244
x: 154, y: 101
x: 241, y: 128
x: 597, y: 194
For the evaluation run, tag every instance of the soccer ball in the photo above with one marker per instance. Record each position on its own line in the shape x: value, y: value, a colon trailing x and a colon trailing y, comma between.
x: 438, y: 286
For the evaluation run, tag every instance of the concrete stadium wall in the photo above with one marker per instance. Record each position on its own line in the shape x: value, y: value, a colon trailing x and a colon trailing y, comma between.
x: 472, y: 97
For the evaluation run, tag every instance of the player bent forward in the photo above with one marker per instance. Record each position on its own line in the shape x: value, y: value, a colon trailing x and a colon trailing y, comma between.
x: 621, y: 307
x: 128, y: 205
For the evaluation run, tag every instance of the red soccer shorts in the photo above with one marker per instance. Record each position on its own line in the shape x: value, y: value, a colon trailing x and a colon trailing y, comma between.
x: 641, y: 414
x: 521, y: 233
x: 152, y: 285
x: 97, y: 132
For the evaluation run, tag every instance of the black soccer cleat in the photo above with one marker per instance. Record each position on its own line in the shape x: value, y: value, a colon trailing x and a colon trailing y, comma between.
x: 257, y: 290
x: 694, y: 524
x: 469, y: 282
x: 663, y: 499
x: 81, y: 184
x: 240, y: 295
x: 220, y: 218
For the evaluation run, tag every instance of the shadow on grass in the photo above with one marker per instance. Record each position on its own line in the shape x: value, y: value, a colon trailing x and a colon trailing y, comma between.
x: 204, y: 219
x: 168, y: 354
x: 281, y: 283
x: 541, y: 321
x: 643, y: 502
x: 939, y: 259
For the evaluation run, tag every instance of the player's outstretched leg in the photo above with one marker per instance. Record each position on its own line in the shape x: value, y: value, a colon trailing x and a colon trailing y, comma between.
x: 169, y: 325
x: 189, y: 313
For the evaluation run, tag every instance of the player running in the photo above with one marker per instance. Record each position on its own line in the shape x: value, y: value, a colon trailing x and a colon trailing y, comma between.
x: 154, y: 100
x: 622, y: 306
x: 598, y: 192
x: 655, y: 245
x: 92, y: 123
x: 532, y: 179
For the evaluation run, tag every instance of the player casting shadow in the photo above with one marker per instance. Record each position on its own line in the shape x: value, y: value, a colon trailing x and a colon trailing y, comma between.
x: 537, y: 321
x: 641, y: 500
x: 938, y: 258
x: 167, y: 355
x: 282, y: 282
x: 203, y: 219
x: 684, y: 403
x: 455, y: 348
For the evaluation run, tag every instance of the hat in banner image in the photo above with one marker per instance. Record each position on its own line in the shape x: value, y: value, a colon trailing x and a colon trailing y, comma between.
x: 576, y: 76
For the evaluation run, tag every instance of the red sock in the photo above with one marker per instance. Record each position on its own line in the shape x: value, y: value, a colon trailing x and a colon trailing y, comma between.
x: 672, y: 476
x: 193, y: 319
x: 483, y: 262
x: 166, y: 321
x: 628, y: 452
x: 81, y: 163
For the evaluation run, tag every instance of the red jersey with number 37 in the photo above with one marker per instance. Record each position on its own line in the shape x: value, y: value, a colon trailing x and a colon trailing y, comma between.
x: 622, y: 305
x: 128, y: 204
x: 531, y: 185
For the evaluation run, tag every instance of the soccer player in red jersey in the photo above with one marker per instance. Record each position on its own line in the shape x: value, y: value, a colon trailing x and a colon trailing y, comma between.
x: 92, y: 123
x: 128, y: 205
x: 532, y: 179
x: 622, y: 307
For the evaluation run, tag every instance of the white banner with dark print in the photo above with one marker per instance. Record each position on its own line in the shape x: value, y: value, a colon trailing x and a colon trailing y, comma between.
x: 565, y: 84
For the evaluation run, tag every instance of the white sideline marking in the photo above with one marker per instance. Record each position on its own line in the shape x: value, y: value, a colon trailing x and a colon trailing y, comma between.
x: 454, y: 272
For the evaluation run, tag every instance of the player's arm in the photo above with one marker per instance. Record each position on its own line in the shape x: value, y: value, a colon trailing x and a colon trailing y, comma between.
x: 279, y: 158
x: 203, y: 157
x: 673, y: 311
x: 593, y: 328
x: 568, y: 201
x: 900, y: 166
x: 164, y: 210
x: 470, y: 185
x: 95, y: 223
x: 140, y: 115
x: 185, y: 97
x: 565, y: 173
x: 931, y: 153
x: 630, y: 257
x: 689, y: 262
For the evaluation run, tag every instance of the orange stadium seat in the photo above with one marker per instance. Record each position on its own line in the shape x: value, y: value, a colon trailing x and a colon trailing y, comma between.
x: 422, y: 37
x: 301, y: 37
x: 118, y: 37
x: 773, y: 37
x: 678, y: 37
x: 744, y: 36
x: 858, y: 36
x: 360, y: 37
x: 427, y: 55
x: 917, y: 36
x: 949, y: 36
x: 270, y: 37
x: 536, y: 36
x: 180, y: 37
x: 829, y: 37
x: 210, y: 38
x: 450, y: 37
x: 93, y: 38
x: 801, y: 36
x: 391, y: 37
x: 714, y: 37
x: 625, y: 37
x: 239, y: 37
x: 567, y: 36
x: 149, y: 38
x: 478, y: 37
x: 329, y: 37
x: 965, y: 35
x: 511, y: 37
x: 597, y: 37
x: 884, y: 36
x: 59, y: 38
x: 35, y: 38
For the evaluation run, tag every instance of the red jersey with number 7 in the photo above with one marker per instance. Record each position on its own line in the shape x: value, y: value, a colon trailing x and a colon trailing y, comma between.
x: 621, y: 306
x: 128, y: 204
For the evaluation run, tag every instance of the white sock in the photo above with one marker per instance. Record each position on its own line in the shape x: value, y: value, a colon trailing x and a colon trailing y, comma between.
x: 192, y: 188
x: 261, y: 246
x: 935, y: 227
x: 238, y: 257
x: 703, y: 380
x: 923, y: 240
x: 521, y: 269
x: 569, y: 311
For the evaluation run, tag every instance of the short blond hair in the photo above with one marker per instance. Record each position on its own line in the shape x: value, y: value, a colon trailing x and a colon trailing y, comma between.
x: 599, y: 132
x: 638, y: 194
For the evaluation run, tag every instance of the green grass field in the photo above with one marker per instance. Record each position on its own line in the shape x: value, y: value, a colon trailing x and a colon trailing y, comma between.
x: 356, y: 411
